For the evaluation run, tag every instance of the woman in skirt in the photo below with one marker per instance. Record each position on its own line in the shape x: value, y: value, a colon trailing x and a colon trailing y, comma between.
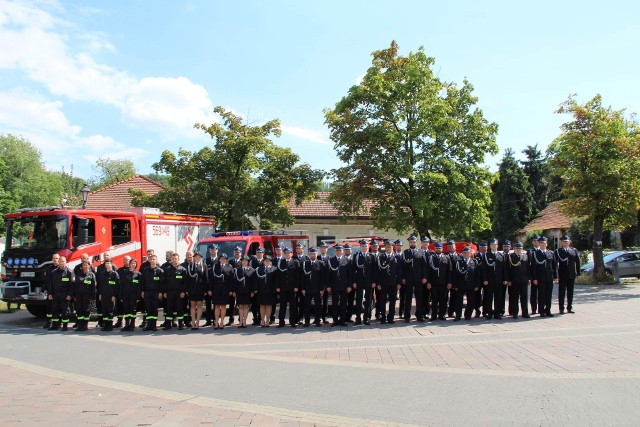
x: 222, y: 275
x: 265, y: 286
x: 198, y: 286
x: 244, y: 288
x: 130, y: 289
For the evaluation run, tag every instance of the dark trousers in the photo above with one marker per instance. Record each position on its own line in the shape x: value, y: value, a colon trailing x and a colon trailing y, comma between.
x: 388, y: 294
x: 491, y: 301
x: 533, y: 299
x: 426, y: 301
x: 478, y: 298
x: 314, y: 297
x: 376, y: 293
x: 471, y: 303
x: 351, y: 298
x: 107, y: 307
x: 325, y: 305
x: 402, y: 300
x: 118, y: 309
x: 174, y: 306
x: 518, y: 295
x: 301, y: 302
x: 565, y: 286
x: 129, y: 305
x: 99, y: 308
x: 208, y: 309
x: 545, y: 290
x: 439, y: 300
x: 357, y: 301
x: 82, y: 307
x: 411, y: 289
x: 453, y: 298
x: 255, y: 308
x: 60, y: 309
x: 339, y: 304
x: 273, y: 307
x: 502, y: 299
x: 290, y: 298
x: 368, y: 301
x: 151, y: 305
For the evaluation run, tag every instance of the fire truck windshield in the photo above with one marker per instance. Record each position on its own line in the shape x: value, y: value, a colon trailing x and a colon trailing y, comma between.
x: 224, y: 247
x: 37, y: 233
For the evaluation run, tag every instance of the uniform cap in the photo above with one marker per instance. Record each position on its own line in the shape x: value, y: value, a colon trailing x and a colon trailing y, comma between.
x: 223, y: 255
x: 338, y: 247
x: 287, y: 249
x: 213, y: 246
x: 398, y: 242
x: 279, y: 247
x: 425, y: 239
x: 451, y: 243
x: 412, y: 238
x: 197, y: 254
x: 438, y: 245
x: 518, y: 245
x: 506, y: 243
x: 535, y: 237
x: 542, y: 239
x: 313, y: 251
x: 363, y: 242
x: 374, y: 242
x: 237, y: 249
x: 566, y: 238
x: 482, y: 244
x: 466, y: 249
x: 347, y: 246
x: 323, y: 244
x: 300, y: 245
x: 267, y: 258
x: 260, y: 250
x: 493, y: 241
x: 388, y: 243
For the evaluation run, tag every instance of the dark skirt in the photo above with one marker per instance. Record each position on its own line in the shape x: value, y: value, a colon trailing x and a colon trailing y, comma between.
x: 243, y: 299
x: 266, y: 298
x: 220, y: 299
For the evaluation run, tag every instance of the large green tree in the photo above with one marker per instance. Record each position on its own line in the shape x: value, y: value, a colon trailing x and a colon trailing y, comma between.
x: 415, y: 146
x: 535, y: 167
x: 24, y: 181
x: 598, y: 157
x: 108, y: 171
x: 242, y: 177
x: 512, y: 203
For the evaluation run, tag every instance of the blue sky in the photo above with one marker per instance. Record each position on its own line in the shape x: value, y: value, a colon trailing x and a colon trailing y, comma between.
x: 89, y: 79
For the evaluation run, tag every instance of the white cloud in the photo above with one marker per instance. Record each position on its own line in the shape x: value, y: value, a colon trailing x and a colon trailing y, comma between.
x: 307, y: 134
x: 61, y: 58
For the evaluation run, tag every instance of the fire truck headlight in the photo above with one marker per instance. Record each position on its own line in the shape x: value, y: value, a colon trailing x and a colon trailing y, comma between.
x: 9, y: 261
x: 23, y: 261
x: 30, y: 261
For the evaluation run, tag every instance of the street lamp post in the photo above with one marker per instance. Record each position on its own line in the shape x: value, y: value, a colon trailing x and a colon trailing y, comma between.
x: 85, y: 195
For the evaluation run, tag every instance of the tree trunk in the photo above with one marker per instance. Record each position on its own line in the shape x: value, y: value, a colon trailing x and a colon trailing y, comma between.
x: 598, y: 229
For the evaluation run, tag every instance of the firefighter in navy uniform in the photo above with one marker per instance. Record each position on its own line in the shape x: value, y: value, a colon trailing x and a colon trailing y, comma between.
x: 467, y: 279
x: 533, y: 298
x: 210, y: 261
x: 453, y: 257
x: 108, y: 291
x: 415, y: 279
x: 301, y: 257
x: 374, y: 296
x: 426, y: 293
x: 339, y: 285
x: 568, y: 262
x: 188, y: 260
x: 518, y: 281
x: 439, y: 282
x: 493, y: 276
x: 152, y: 284
x: 397, y: 249
x: 388, y: 278
x: 266, y: 290
x: 60, y: 294
x: 275, y: 261
x: 47, y: 286
x: 313, y: 286
x: 479, y: 257
x: 234, y: 262
x: 100, y: 273
x: 83, y: 292
x: 506, y: 250
x: 288, y: 281
x: 119, y: 309
x: 543, y: 275
x: 130, y: 289
x: 324, y: 257
x: 363, y: 266
x: 175, y: 286
x: 256, y: 262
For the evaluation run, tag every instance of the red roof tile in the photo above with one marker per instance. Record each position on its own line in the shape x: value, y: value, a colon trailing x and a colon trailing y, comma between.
x: 321, y: 208
x: 116, y: 196
x: 549, y: 218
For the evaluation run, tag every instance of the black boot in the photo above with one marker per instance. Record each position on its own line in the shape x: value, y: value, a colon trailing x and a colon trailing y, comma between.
x: 47, y: 324
x: 144, y: 323
x: 118, y: 323
x: 180, y: 324
x: 167, y: 325
x: 154, y: 325
x: 126, y: 325
x: 65, y: 326
x: 54, y: 326
x: 132, y: 324
x: 108, y: 326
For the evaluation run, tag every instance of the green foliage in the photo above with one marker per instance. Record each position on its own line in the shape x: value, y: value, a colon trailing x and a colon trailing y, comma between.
x: 159, y: 178
x: 244, y: 176
x: 601, y: 278
x: 536, y: 168
x: 512, y: 202
x: 598, y: 157
x: 414, y: 145
x: 24, y: 182
x: 108, y: 171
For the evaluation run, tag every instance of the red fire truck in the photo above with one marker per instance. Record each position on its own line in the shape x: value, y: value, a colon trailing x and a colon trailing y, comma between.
x: 34, y: 235
x: 250, y: 240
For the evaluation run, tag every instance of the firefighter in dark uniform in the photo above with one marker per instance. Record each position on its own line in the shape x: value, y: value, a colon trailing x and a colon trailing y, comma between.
x: 76, y: 271
x: 147, y: 263
x: 425, y: 252
x: 313, y: 286
x: 108, y: 291
x: 100, y: 270
x: 372, y: 301
x: 453, y: 257
x: 244, y: 286
x: 130, y: 289
x: 506, y: 250
x: 266, y: 290
x: 518, y: 281
x: 119, y: 309
x: 388, y: 278
x: 533, y: 298
x: 348, y: 254
x: 234, y: 262
x: 479, y: 257
x: 47, y: 286
x: 278, y: 255
x: 256, y: 262
x: 414, y: 279
x: 175, y: 286
x: 397, y: 249
x: 152, y: 284
x: 288, y: 281
x: 363, y: 265
x: 59, y: 294
x: 543, y: 275
x: 439, y: 282
x: 83, y: 292
x: 186, y: 309
x: 221, y: 285
x: 324, y: 257
x: 301, y: 257
x: 467, y: 279
x: 568, y: 262
x: 210, y: 261
x: 339, y: 285
x: 493, y: 276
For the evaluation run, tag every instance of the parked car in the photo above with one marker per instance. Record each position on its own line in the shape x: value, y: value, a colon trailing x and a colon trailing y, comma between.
x: 628, y: 264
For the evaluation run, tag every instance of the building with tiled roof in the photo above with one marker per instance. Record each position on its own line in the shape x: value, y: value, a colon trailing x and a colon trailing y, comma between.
x: 116, y: 196
x: 322, y: 221
x: 551, y: 221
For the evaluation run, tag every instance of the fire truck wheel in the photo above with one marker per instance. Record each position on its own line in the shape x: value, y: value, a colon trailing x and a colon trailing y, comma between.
x: 37, y: 310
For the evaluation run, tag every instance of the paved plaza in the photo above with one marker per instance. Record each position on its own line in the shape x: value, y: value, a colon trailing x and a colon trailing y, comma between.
x: 573, y: 369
